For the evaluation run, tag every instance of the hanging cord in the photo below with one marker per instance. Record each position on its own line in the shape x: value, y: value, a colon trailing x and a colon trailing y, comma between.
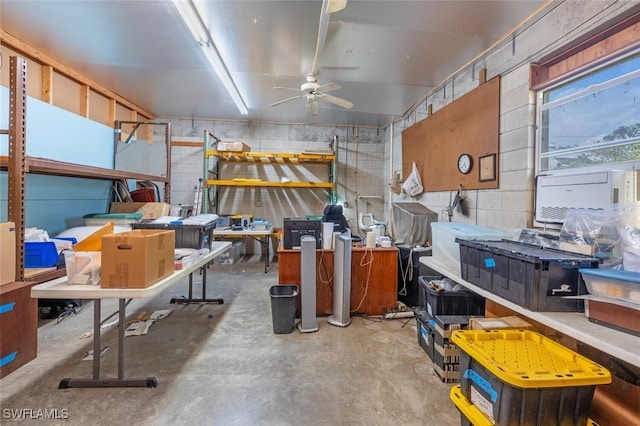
x: 403, y: 273
x: 72, y: 308
x: 364, y: 262
x: 323, y: 267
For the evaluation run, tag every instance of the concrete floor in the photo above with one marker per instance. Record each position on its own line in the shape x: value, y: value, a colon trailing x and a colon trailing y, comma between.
x: 232, y: 369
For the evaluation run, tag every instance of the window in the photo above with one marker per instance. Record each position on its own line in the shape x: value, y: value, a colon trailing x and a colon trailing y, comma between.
x: 591, y: 120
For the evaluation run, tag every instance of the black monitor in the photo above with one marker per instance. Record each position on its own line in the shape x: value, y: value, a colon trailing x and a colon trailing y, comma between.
x: 295, y: 228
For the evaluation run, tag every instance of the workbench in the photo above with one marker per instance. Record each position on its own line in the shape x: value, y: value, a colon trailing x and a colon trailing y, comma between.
x: 263, y: 236
x: 61, y: 289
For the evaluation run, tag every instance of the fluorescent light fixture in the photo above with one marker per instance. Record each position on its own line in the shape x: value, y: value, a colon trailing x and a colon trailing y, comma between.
x: 192, y: 19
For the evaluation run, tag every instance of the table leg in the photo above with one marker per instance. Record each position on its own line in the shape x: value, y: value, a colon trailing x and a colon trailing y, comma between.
x: 96, y: 338
x: 121, y: 329
x: 204, y: 299
x: 267, y: 244
x: 96, y: 382
x: 204, y: 282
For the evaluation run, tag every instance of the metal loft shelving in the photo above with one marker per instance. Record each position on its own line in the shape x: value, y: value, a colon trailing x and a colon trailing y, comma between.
x: 22, y: 347
x: 259, y: 158
x: 18, y: 164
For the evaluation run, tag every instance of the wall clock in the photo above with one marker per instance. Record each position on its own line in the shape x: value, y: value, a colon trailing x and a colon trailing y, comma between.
x: 465, y: 162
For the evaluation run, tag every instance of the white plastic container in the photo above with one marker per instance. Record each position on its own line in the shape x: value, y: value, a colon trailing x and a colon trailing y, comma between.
x: 443, y: 239
x: 613, y: 283
x: 83, y: 267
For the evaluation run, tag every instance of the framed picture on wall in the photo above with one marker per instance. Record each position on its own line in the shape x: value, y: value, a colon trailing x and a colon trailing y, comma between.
x: 487, y: 167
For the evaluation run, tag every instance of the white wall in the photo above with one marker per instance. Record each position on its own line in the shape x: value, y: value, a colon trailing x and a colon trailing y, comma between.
x: 511, y: 206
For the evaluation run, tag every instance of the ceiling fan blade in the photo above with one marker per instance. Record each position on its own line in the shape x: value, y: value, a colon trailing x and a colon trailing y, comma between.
x: 329, y: 87
x: 287, y: 88
x: 287, y: 100
x: 313, y: 106
x: 337, y: 101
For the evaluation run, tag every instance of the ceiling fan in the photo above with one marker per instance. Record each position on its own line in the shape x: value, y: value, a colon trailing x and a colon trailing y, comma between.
x: 311, y: 90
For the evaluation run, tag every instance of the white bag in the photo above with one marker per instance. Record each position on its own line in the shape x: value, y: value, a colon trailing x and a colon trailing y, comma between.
x: 413, y: 184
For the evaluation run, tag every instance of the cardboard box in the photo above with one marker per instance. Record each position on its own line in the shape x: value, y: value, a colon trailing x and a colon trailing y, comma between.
x: 7, y: 252
x: 577, y: 248
x: 502, y: 323
x: 137, y: 259
x: 233, y: 146
x: 148, y: 210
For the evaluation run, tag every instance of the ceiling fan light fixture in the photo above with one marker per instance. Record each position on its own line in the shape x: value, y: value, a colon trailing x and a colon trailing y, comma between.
x: 334, y: 6
x: 313, y: 106
x: 191, y: 17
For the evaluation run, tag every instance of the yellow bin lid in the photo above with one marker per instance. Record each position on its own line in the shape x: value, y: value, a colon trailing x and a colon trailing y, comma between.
x: 527, y: 359
x: 470, y: 411
x: 473, y: 413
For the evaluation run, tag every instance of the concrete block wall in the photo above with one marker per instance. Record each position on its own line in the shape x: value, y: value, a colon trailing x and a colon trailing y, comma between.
x: 512, y: 205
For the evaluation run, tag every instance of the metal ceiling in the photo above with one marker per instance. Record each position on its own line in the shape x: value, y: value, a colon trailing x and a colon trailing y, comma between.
x: 386, y: 55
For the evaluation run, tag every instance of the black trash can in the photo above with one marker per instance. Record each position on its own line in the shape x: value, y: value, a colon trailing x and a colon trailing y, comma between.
x: 283, y: 307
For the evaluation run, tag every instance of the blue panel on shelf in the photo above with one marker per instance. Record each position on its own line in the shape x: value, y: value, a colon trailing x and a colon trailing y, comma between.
x: 7, y: 307
x: 7, y: 359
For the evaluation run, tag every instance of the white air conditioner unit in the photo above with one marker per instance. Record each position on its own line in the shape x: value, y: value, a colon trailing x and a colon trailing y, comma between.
x: 555, y: 194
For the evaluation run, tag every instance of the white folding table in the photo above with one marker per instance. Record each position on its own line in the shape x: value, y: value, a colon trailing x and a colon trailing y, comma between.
x: 61, y: 289
x: 262, y: 236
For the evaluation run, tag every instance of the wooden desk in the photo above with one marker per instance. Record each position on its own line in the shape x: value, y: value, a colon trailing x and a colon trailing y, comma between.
x: 374, y: 278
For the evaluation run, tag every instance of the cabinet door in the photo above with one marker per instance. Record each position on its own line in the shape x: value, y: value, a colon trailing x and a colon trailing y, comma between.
x: 289, y: 273
x: 374, y: 277
x: 18, y: 326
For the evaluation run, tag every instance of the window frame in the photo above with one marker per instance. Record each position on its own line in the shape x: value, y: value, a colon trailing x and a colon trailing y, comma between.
x: 541, y: 107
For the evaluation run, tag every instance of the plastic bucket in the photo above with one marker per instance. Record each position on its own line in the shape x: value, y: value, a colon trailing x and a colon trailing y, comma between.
x: 144, y: 195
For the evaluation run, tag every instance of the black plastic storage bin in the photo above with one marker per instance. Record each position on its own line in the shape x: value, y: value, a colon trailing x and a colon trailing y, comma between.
x: 520, y: 377
x: 425, y: 331
x: 284, y: 299
x: 534, y: 277
x: 463, y: 302
x: 187, y: 236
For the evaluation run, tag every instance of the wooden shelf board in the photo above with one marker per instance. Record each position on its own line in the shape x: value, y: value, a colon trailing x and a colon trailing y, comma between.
x: 621, y: 345
x: 60, y: 168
